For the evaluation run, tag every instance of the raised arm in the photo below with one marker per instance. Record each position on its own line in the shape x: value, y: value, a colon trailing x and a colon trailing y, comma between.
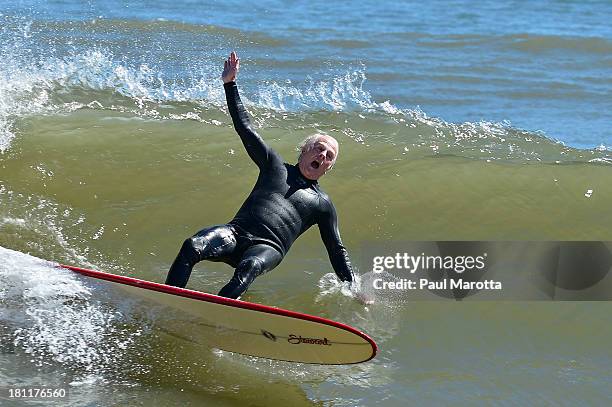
x: 338, y: 256
x: 257, y: 149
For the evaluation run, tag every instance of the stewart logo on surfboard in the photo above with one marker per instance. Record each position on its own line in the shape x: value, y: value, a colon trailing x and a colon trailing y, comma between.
x: 297, y: 339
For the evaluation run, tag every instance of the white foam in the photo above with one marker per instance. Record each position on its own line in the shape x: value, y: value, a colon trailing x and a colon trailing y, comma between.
x: 56, y: 319
x: 340, y: 93
x: 13, y: 221
x: 602, y: 160
x: 27, y: 85
x: 329, y: 284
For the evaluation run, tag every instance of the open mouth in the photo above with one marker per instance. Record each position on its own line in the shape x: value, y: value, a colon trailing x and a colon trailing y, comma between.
x: 315, y: 164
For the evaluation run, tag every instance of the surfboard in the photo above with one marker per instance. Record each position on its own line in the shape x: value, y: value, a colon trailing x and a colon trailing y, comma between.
x: 249, y: 328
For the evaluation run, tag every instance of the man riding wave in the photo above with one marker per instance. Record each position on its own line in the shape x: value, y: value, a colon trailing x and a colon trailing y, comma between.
x: 285, y: 201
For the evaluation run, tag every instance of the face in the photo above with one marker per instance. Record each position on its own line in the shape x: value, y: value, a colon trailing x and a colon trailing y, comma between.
x: 316, y: 161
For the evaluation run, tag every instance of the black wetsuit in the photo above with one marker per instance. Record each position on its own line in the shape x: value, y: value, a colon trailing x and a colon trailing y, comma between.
x: 282, y: 205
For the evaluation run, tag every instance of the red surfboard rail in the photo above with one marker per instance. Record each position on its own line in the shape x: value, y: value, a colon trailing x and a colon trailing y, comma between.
x: 197, y: 295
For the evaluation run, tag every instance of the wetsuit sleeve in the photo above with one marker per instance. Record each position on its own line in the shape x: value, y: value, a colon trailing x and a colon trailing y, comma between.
x: 257, y: 149
x: 338, y: 256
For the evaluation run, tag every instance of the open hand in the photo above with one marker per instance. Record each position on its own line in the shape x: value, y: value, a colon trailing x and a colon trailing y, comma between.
x: 230, y: 68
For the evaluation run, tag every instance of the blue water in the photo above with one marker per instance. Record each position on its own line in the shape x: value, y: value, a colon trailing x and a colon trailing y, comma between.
x: 543, y: 67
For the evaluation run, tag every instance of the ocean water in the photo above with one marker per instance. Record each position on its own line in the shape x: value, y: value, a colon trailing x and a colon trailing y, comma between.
x: 457, y: 120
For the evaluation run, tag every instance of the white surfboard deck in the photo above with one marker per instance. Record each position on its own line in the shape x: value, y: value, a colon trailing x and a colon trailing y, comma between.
x: 253, y: 329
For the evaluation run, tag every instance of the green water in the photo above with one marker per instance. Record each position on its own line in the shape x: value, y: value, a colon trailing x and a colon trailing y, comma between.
x: 120, y: 193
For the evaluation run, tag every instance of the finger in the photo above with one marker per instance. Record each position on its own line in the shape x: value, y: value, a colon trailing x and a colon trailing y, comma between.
x: 237, y: 64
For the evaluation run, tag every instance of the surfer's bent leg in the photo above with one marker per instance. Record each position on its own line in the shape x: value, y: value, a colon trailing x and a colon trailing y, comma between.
x: 256, y: 260
x: 214, y: 243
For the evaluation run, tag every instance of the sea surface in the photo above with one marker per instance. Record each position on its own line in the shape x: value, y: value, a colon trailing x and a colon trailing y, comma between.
x: 457, y: 120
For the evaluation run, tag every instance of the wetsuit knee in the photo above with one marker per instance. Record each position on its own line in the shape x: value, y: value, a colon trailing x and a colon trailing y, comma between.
x: 216, y: 243
x: 248, y: 269
x: 189, y: 251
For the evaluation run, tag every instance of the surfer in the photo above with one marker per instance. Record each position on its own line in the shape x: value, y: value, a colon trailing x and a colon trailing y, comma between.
x: 285, y: 201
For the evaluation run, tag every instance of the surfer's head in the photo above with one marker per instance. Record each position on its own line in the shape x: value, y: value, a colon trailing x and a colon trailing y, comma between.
x: 318, y: 153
